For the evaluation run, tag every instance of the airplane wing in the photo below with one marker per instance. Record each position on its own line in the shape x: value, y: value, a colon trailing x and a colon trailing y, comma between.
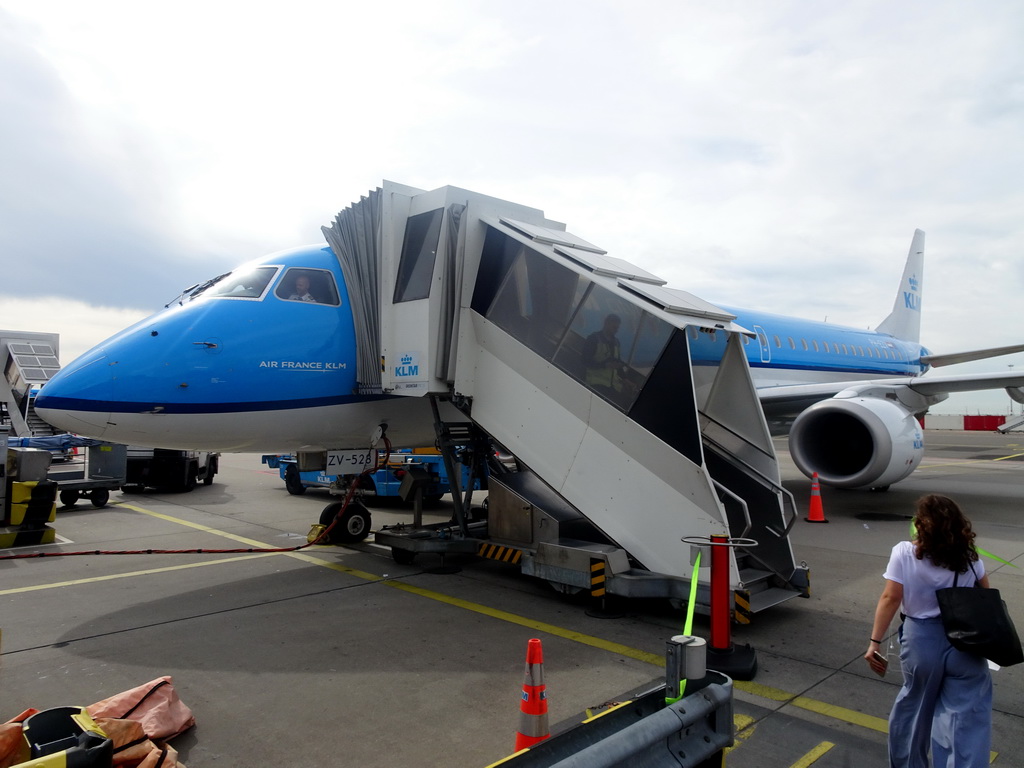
x: 784, y: 403
x: 974, y: 354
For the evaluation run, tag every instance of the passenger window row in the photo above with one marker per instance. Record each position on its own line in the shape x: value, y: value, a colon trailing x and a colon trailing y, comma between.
x: 858, y: 350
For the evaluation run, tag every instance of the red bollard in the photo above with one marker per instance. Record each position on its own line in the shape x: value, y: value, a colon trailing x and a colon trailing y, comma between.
x: 721, y: 616
x: 738, y: 662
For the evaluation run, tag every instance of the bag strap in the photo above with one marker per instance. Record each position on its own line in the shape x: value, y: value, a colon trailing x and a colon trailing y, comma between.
x: 956, y: 576
x: 976, y: 582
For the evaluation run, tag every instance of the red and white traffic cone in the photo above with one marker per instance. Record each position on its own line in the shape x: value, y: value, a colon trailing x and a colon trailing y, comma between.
x: 816, y: 513
x: 533, y: 708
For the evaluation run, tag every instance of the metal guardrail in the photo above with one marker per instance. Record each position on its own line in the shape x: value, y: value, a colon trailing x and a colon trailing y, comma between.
x: 652, y: 730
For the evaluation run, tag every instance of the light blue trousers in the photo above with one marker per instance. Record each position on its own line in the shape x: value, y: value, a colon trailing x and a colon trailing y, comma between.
x: 945, y: 702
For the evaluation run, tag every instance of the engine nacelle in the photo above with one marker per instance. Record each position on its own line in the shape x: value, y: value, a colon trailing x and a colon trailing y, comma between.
x: 857, y: 442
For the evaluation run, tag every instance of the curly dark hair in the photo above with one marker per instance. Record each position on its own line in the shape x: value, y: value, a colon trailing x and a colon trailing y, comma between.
x: 944, y: 533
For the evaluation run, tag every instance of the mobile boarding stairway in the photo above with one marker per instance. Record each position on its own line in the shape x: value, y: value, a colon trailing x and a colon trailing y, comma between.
x: 483, y: 308
x: 29, y: 360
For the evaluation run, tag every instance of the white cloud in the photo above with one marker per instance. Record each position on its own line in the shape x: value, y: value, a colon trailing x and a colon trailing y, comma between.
x: 81, y: 325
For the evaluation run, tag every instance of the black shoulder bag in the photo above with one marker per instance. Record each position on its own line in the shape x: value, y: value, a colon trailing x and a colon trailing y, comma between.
x: 977, y: 622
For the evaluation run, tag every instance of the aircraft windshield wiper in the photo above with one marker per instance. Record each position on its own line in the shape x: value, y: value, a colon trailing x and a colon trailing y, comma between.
x: 194, y: 290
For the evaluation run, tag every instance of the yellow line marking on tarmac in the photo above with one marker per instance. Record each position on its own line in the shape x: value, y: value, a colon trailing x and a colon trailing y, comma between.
x: 198, y: 527
x: 812, y: 757
x: 970, y: 461
x: 539, y: 626
x: 745, y: 726
x: 842, y: 713
x: 111, y: 577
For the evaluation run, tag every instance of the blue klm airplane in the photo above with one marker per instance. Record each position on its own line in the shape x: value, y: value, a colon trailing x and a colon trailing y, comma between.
x: 263, y: 359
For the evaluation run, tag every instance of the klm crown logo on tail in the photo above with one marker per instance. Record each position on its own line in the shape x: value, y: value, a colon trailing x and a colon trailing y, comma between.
x: 911, y: 298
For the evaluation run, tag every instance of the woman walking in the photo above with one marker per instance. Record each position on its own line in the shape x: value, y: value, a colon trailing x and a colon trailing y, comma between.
x: 946, y: 699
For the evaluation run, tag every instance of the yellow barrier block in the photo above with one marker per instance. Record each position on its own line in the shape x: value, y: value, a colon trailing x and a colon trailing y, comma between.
x: 21, y: 492
x: 20, y: 511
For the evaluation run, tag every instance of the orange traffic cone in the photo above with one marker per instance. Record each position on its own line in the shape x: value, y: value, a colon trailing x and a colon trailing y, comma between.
x: 816, y: 513
x: 533, y: 709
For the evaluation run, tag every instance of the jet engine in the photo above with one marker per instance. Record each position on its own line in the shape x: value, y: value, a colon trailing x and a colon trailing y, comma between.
x: 857, y: 442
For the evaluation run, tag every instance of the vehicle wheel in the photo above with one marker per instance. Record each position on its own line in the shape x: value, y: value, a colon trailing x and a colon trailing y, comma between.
x: 68, y: 498
x: 191, y: 479
x: 402, y: 556
x: 133, y: 488
x: 352, y: 527
x: 211, y: 470
x: 99, y: 497
x: 292, y: 481
x: 433, y: 498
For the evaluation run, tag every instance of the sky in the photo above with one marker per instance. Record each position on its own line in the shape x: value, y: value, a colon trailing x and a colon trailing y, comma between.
x: 773, y: 155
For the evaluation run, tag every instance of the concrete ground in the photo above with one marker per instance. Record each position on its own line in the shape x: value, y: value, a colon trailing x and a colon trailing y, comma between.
x: 339, y: 656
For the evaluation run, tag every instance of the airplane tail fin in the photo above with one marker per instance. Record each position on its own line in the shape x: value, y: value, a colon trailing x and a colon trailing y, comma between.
x: 904, y: 322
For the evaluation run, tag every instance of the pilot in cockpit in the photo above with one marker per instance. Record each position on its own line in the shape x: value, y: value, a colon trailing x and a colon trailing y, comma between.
x: 301, y: 292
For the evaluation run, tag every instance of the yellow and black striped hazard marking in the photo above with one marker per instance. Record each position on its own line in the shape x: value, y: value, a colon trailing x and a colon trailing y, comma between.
x: 743, y: 613
x: 19, y: 536
x: 597, y: 578
x: 502, y: 554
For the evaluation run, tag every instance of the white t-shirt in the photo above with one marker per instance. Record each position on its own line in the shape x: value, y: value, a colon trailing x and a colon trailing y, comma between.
x: 920, y: 579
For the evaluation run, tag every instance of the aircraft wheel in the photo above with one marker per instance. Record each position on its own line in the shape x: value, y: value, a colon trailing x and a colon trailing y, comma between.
x: 292, y: 481
x: 99, y: 497
x: 68, y: 498
x: 354, y: 525
x: 402, y: 556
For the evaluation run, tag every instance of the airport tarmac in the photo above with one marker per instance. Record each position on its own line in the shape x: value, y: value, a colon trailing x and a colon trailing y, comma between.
x: 340, y: 656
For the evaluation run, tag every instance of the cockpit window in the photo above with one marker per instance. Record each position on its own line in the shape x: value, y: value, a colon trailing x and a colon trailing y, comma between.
x: 314, y: 286
x: 241, y: 284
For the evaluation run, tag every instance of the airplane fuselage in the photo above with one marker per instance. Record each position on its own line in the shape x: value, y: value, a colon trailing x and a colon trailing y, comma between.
x: 239, y: 369
x: 248, y: 363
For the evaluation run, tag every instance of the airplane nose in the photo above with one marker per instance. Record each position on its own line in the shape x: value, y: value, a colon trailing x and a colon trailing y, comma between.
x: 85, y: 423
x: 77, y: 399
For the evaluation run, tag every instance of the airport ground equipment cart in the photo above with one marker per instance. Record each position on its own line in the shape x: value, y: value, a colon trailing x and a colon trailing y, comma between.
x: 86, y: 468
x: 175, y: 470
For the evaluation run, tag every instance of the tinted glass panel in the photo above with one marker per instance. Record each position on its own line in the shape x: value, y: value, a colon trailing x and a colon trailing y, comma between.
x: 536, y: 301
x: 419, y: 250
x: 612, y: 346
x: 666, y: 406
x: 499, y: 253
x: 314, y: 286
